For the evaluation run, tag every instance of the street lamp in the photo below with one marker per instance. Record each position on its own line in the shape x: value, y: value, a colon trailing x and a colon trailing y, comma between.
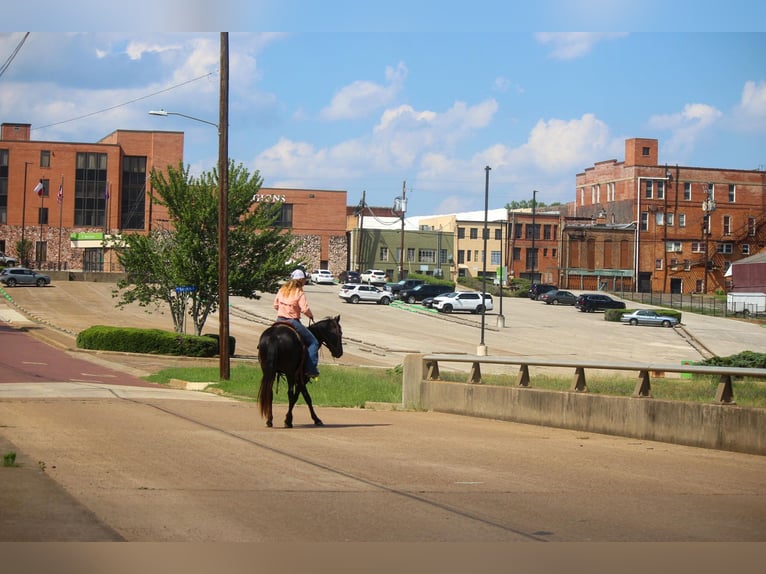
x: 223, y: 206
x: 164, y: 113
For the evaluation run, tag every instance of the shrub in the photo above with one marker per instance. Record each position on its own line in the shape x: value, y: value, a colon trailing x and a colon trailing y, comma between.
x: 147, y: 341
x: 746, y: 359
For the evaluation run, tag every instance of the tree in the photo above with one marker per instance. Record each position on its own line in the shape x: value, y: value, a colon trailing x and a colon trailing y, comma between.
x: 185, y: 254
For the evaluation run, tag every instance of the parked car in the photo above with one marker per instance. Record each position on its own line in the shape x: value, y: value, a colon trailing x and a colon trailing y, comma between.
x: 356, y: 292
x: 420, y: 292
x: 350, y: 277
x: 537, y: 289
x: 589, y: 302
x: 396, y: 288
x: 7, y: 260
x: 463, y: 301
x: 12, y: 276
x: 649, y: 317
x: 374, y: 277
x: 558, y: 297
x: 322, y: 276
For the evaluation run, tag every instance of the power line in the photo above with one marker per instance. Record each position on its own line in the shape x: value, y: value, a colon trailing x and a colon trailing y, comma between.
x: 13, y: 55
x: 126, y: 103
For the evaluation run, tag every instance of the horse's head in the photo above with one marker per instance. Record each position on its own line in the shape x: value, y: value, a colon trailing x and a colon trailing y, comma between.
x: 328, y: 332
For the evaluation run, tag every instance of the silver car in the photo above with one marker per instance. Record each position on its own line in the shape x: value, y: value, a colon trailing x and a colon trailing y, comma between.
x: 649, y: 317
x: 12, y: 276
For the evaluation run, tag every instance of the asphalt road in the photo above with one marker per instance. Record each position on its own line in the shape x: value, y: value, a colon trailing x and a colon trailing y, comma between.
x: 103, y: 461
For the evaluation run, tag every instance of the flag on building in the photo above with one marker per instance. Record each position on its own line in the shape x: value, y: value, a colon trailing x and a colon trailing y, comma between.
x: 39, y: 189
x: 60, y: 196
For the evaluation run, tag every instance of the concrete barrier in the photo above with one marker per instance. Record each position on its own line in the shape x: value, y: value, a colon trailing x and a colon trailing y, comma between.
x: 715, y: 425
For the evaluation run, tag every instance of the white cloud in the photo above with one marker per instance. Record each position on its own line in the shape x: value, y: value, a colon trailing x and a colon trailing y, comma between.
x: 750, y: 114
x: 571, y: 45
x: 360, y: 98
x: 686, y: 126
x: 136, y: 50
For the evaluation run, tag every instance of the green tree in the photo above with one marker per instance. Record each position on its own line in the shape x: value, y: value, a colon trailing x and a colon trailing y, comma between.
x: 186, y: 252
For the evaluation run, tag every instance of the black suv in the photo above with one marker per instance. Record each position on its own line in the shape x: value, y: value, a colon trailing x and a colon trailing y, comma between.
x: 537, y: 289
x: 420, y: 292
x: 589, y: 302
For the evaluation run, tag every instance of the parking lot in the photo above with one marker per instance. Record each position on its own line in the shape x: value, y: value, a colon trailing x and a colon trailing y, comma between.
x: 378, y: 335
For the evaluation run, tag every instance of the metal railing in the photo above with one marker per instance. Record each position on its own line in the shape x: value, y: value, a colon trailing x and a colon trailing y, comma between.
x: 724, y: 391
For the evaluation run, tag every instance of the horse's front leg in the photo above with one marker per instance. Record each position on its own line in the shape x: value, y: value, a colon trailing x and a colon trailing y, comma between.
x: 307, y: 397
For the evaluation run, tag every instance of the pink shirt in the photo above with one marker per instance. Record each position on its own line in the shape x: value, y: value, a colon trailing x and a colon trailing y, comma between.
x: 291, y: 307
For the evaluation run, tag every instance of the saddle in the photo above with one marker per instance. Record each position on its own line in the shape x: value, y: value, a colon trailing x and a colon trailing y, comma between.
x: 305, y: 353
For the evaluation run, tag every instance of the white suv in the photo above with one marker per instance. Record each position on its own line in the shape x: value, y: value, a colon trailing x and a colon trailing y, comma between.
x: 374, y: 277
x: 463, y: 301
x: 322, y: 276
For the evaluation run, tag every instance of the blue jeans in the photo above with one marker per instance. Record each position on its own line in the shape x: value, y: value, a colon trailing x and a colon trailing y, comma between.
x: 311, y: 343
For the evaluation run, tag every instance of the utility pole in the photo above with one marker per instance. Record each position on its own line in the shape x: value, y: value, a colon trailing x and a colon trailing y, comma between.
x: 403, y: 208
x: 360, y: 233
x: 224, y: 361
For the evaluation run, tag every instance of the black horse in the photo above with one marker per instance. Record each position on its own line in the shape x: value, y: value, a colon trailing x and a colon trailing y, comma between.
x: 282, y: 352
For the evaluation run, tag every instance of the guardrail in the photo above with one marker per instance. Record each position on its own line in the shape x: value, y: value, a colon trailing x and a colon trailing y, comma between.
x: 724, y: 391
x: 713, y: 424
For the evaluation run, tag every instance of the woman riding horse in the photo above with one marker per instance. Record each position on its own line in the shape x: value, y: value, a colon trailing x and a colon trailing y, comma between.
x: 281, y: 351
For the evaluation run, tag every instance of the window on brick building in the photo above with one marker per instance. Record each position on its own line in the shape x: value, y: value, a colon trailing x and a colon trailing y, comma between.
x: 658, y: 264
x: 648, y: 189
x: 90, y: 188
x: 133, y: 193
x: 751, y: 226
x: 698, y: 247
x: 745, y: 249
x: 3, y: 186
x: 727, y: 224
x: 725, y: 248
x: 45, y: 158
x: 517, y: 254
x: 732, y: 193
x: 644, y: 221
x: 645, y: 151
x: 681, y: 220
x: 546, y: 232
x: 660, y: 189
x: 285, y: 219
x: 687, y: 191
x: 670, y: 218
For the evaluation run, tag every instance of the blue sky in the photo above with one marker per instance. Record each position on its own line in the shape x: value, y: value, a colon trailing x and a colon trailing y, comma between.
x: 422, y: 93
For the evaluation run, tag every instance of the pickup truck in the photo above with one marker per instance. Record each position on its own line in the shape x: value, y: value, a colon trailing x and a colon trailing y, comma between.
x: 7, y: 260
x: 399, y: 286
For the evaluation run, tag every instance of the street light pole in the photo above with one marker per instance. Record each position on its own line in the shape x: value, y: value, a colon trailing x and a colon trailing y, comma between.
x: 482, y: 350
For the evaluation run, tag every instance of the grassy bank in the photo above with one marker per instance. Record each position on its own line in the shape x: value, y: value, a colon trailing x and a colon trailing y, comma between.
x: 354, y: 386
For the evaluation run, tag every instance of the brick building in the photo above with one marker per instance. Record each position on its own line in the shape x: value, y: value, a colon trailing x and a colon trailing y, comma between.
x: 689, y: 223
x: 103, y: 193
x: 106, y: 192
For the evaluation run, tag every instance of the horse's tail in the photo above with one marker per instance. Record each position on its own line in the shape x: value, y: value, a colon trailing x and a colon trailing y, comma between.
x: 267, y: 355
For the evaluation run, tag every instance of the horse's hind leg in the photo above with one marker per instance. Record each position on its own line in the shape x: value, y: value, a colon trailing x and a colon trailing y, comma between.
x: 292, y: 398
x: 307, y: 397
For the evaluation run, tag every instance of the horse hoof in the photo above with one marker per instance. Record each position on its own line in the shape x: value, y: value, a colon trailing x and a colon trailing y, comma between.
x: 269, y: 424
x: 318, y: 423
x: 288, y: 425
